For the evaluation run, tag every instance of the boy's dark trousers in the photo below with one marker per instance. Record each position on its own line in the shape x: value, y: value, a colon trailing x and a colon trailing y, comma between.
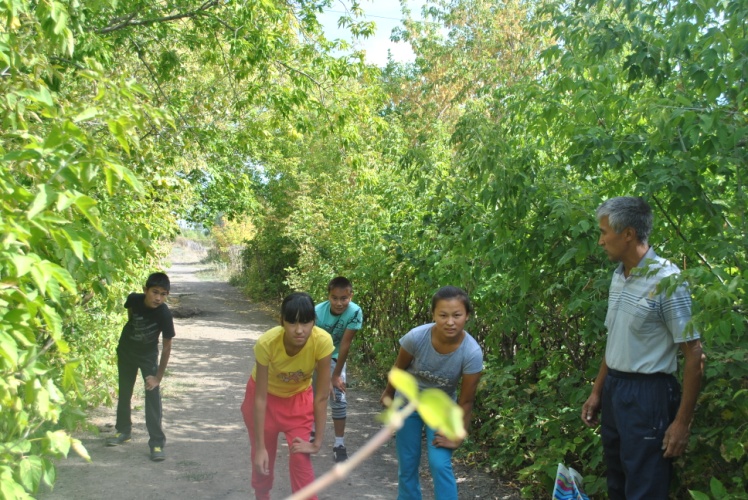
x: 128, y: 364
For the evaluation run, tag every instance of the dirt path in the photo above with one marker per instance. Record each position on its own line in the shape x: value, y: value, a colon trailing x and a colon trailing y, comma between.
x: 207, y: 444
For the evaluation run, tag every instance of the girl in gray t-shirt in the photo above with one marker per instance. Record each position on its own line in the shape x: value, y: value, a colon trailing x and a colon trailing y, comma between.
x: 439, y: 355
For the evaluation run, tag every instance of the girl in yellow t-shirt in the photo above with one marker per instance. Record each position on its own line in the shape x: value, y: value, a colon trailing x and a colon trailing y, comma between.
x: 279, y: 395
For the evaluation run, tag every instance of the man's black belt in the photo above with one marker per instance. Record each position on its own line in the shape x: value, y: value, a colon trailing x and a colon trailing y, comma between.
x: 637, y: 376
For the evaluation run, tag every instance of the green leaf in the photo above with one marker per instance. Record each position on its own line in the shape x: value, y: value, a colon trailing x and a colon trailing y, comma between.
x: 86, y: 114
x: 57, y: 443
x: 43, y: 199
x: 61, y: 275
x: 23, y: 263
x: 405, y: 383
x: 42, y: 95
x: 440, y: 412
x: 570, y: 253
x: 50, y: 473
x: 86, y: 206
x: 54, y: 327
x: 118, y: 131
x: 732, y: 449
x: 697, y: 495
x: 54, y: 138
x: 19, y: 447
x: 60, y: 21
x: 70, y: 376
x: 9, y: 488
x: 30, y: 471
x: 9, y: 349
x: 36, y: 395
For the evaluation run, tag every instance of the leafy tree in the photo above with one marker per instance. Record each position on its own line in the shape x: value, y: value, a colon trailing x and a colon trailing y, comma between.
x: 622, y: 106
x: 72, y: 219
x: 118, y: 117
x: 490, y: 182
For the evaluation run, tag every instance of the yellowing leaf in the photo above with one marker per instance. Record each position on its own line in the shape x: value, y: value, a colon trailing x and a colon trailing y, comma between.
x: 80, y: 449
x: 405, y: 383
x: 440, y: 412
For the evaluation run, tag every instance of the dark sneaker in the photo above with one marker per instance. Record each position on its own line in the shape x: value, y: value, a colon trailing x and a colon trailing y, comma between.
x: 311, y: 437
x: 339, y: 454
x: 118, y: 439
x: 157, y: 454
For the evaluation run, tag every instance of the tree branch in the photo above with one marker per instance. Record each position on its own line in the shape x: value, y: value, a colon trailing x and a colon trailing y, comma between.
x: 341, y: 470
x: 680, y: 234
x: 129, y: 20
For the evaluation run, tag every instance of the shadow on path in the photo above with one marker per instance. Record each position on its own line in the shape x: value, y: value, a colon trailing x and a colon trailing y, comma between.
x: 207, y: 444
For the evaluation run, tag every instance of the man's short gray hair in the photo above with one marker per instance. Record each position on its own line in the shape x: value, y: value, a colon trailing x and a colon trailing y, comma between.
x: 627, y: 211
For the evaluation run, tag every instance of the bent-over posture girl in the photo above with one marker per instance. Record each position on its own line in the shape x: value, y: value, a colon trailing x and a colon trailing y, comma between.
x: 439, y: 355
x: 279, y: 395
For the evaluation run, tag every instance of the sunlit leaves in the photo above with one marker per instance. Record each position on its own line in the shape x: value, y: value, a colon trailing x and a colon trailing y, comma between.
x: 109, y: 107
x: 405, y: 383
x: 632, y: 99
x: 70, y: 216
x: 438, y: 411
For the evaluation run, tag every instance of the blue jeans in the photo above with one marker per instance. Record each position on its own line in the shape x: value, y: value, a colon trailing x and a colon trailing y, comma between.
x: 408, y: 440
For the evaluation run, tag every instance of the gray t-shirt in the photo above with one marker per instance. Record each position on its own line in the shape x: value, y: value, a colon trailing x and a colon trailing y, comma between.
x: 442, y: 371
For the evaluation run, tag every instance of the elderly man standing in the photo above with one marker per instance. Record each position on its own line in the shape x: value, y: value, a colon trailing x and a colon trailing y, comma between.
x: 645, y: 421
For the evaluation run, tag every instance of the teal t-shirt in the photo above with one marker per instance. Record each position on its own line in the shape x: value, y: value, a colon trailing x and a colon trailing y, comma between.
x: 351, y: 319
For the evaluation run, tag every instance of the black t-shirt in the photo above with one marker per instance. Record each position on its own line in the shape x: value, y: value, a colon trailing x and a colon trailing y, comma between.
x: 140, y: 333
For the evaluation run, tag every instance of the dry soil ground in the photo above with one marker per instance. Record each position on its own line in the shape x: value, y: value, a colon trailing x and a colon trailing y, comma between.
x: 207, y: 444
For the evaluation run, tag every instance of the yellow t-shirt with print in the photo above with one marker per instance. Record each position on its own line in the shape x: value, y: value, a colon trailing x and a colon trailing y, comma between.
x: 289, y: 375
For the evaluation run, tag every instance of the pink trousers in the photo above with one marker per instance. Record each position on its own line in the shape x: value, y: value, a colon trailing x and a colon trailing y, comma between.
x: 293, y: 416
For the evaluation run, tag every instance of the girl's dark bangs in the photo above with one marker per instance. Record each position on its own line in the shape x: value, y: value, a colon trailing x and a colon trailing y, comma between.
x: 299, y: 308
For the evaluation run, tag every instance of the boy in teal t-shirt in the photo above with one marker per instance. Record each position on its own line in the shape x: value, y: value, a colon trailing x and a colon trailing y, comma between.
x: 341, y: 318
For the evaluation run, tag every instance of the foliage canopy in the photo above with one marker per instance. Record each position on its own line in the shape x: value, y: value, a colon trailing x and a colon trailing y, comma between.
x: 480, y: 164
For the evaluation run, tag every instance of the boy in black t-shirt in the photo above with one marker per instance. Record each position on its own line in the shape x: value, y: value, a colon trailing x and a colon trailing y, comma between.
x: 148, y: 316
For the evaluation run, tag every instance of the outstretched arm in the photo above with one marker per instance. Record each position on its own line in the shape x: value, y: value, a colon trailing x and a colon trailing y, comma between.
x: 321, y: 394
x: 262, y: 460
x: 345, y: 345
x: 153, y: 381
x: 403, y: 361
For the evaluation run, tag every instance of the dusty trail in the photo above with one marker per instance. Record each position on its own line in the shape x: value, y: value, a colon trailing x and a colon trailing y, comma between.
x: 207, y: 444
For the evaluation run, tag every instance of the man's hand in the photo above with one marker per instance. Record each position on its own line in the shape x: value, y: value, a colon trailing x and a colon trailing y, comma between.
x: 591, y: 411
x: 676, y: 440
